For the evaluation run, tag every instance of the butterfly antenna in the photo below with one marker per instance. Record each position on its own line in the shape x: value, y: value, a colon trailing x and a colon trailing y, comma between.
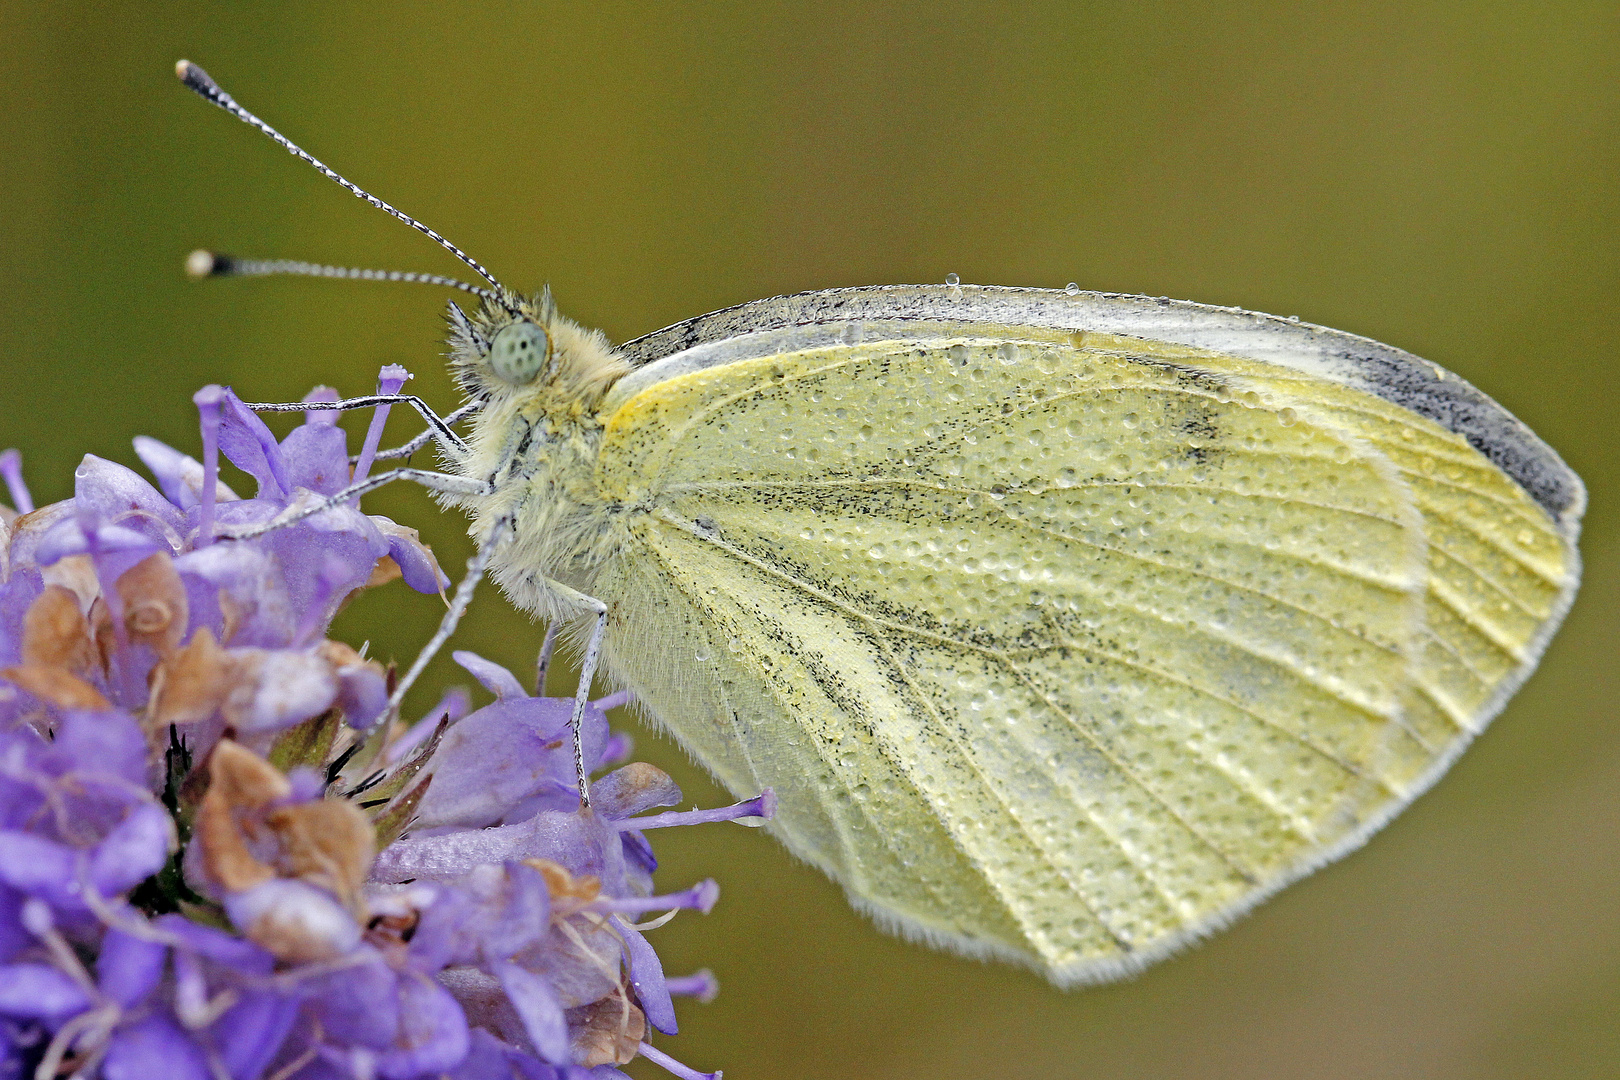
x: 203, y: 264
x: 198, y: 80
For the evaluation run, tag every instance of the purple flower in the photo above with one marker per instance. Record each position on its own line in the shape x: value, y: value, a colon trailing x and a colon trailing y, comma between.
x: 220, y: 858
x: 533, y: 914
x: 123, y: 594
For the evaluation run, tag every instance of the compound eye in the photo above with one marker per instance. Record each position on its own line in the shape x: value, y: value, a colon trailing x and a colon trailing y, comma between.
x: 519, y: 352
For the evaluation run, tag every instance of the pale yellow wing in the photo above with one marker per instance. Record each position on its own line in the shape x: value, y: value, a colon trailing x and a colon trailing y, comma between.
x: 1064, y: 647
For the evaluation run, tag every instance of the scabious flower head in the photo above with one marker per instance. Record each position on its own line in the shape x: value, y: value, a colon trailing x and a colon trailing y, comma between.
x: 221, y: 857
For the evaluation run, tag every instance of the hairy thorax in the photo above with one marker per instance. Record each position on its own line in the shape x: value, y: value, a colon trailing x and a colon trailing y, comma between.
x: 540, y: 447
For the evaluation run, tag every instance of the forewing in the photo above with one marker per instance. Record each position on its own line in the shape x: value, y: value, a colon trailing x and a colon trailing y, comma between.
x: 1063, y: 647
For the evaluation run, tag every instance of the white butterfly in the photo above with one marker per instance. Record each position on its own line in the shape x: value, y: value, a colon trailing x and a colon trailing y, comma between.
x: 1066, y: 626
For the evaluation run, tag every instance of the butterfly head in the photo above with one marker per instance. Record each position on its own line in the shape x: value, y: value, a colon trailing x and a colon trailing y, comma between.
x: 525, y: 348
x: 509, y: 346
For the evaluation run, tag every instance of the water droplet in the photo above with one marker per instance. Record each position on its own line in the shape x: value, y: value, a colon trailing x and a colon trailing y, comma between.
x: 702, y: 654
x: 1072, y: 288
x: 952, y: 280
x: 1287, y: 417
x: 1293, y: 318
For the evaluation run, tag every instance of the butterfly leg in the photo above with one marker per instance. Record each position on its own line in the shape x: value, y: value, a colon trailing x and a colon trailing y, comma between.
x: 438, y: 425
x: 542, y: 667
x: 433, y: 481
x: 587, y: 672
x: 459, y: 603
x: 406, y: 449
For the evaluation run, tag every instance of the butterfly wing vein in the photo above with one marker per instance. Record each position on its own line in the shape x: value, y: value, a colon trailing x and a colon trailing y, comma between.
x: 1065, y: 653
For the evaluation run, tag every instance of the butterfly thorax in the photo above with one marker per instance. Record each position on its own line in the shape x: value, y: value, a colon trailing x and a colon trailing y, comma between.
x: 538, y: 444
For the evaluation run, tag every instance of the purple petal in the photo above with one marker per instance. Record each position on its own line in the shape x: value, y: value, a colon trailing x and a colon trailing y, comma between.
x: 585, y: 845
x: 516, y: 912
x: 310, y: 553
x: 16, y: 487
x: 27, y: 533
x: 16, y: 596
x: 67, y: 537
x: 179, y: 476
x: 484, y: 1001
x: 542, y: 1015
x: 251, y: 447
x: 106, y: 741
x: 452, y: 707
x: 632, y: 789
x: 495, y: 911
x: 292, y: 686
x: 216, y: 945
x: 362, y: 694
x: 115, y: 495
x: 250, y: 1032
x: 357, y: 1004
x: 322, y: 417
x: 446, y: 931
x: 210, y: 405
x: 416, y: 563
x: 316, y: 456
x: 129, y: 967
x: 496, y: 679
x: 13, y: 937
x: 637, y: 851
x: 507, y: 761
x: 252, y: 580
x: 490, y: 1059
x: 305, y: 784
x: 37, y: 866
x: 647, y: 976
x: 432, y: 1035
x: 616, y: 749
x: 151, y: 1047
x: 40, y: 992
x: 135, y: 850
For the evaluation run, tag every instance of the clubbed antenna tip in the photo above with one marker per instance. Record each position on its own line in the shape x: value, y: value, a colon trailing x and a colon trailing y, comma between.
x: 196, y: 78
x: 202, y: 263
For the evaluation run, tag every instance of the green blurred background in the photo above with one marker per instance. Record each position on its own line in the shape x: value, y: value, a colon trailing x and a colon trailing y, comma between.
x: 1439, y: 176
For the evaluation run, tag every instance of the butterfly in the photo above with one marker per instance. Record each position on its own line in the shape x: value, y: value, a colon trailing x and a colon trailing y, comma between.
x: 1066, y: 626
